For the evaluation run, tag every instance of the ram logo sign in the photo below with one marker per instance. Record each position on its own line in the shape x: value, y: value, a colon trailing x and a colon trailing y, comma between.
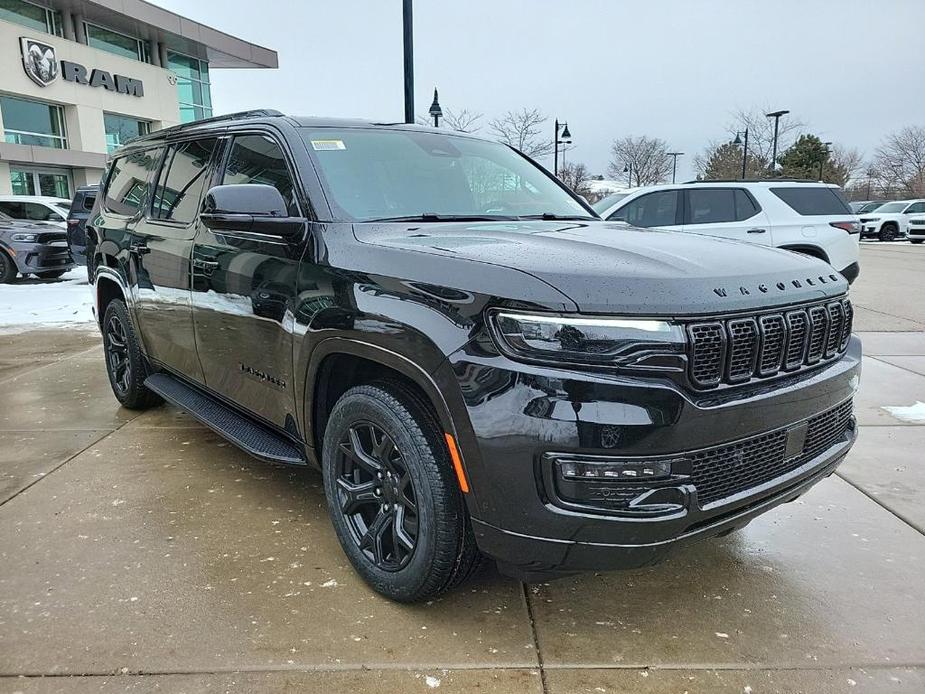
x: 42, y: 66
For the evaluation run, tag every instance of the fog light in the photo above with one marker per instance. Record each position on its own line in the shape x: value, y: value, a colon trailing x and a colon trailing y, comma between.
x: 615, y: 471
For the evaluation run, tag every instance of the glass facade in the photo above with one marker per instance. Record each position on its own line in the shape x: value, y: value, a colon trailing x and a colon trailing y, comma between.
x: 32, y: 16
x: 52, y: 183
x: 27, y: 122
x: 192, y: 86
x: 119, y: 44
x: 120, y: 129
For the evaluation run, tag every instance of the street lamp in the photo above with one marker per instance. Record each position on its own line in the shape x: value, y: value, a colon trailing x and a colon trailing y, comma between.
x: 408, y: 54
x: 562, y: 137
x: 628, y: 170
x: 824, y: 157
x: 674, y: 165
x: 742, y: 138
x: 776, y: 116
x: 435, y: 111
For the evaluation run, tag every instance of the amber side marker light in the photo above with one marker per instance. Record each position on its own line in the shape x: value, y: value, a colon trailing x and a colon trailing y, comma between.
x: 457, y: 463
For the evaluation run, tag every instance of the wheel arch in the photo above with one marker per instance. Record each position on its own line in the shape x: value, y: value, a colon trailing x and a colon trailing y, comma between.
x: 807, y: 249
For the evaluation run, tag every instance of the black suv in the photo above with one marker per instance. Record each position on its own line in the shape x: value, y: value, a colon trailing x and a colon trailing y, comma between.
x: 81, y: 207
x: 477, y: 363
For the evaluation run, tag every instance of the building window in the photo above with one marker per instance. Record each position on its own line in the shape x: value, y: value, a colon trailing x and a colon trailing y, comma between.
x: 120, y: 129
x: 114, y: 42
x: 192, y: 86
x: 56, y: 184
x: 34, y: 17
x: 32, y: 123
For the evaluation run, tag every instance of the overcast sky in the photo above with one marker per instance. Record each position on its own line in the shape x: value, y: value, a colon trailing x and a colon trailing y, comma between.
x: 853, y: 70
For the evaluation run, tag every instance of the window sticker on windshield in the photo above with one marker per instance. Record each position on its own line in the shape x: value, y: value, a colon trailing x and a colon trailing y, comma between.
x: 325, y: 145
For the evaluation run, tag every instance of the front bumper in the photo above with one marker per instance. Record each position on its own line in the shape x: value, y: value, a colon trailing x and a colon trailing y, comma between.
x: 32, y: 258
x: 522, y: 415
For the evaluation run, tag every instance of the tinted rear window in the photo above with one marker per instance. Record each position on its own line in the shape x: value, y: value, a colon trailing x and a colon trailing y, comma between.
x: 817, y: 200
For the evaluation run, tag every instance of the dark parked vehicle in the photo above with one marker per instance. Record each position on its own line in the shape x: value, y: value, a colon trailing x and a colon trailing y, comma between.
x: 477, y: 363
x: 81, y: 207
x: 30, y: 248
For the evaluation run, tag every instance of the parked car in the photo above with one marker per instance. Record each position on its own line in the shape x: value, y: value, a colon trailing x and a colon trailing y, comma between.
x: 77, y: 217
x: 609, y: 201
x: 32, y: 248
x: 891, y: 221
x: 36, y: 208
x: 477, y: 363
x: 807, y: 217
x: 864, y: 206
x: 916, y: 229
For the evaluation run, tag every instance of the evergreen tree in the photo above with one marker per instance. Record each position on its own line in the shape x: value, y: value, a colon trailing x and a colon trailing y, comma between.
x: 803, y: 158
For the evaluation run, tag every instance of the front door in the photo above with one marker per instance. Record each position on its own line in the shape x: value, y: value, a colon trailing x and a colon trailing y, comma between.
x: 729, y: 213
x: 162, y: 246
x: 243, y: 289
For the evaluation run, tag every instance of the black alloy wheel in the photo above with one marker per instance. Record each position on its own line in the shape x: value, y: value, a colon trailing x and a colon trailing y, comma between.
x: 117, y: 357
x: 7, y: 269
x: 888, y: 233
x: 376, y: 494
x: 125, y: 364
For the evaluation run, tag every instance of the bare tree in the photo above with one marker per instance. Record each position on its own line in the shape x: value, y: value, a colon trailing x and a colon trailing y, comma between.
x: 646, y: 159
x: 899, y: 162
x: 575, y: 176
x: 523, y: 131
x: 464, y: 120
x: 843, y: 166
x: 761, y: 132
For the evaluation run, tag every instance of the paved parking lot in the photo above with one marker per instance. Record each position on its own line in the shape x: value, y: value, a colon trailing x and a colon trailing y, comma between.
x: 143, y: 552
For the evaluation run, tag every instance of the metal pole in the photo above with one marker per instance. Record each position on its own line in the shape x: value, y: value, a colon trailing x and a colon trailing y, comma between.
x: 674, y: 164
x: 408, y: 34
x: 774, y: 150
x: 745, y: 154
x: 629, y: 177
x: 555, y: 147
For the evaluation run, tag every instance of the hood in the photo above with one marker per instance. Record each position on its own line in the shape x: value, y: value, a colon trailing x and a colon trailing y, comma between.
x: 12, y: 225
x: 613, y: 268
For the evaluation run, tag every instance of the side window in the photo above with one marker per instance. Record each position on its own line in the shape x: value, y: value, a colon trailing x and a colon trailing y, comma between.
x: 128, y: 181
x: 746, y: 207
x: 711, y: 205
x: 88, y: 202
x: 650, y: 210
x: 13, y: 209
x: 39, y: 213
x: 916, y: 208
x: 181, y: 180
x: 258, y: 159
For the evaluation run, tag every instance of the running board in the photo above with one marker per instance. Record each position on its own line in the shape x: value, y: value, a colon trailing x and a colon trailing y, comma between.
x: 250, y: 436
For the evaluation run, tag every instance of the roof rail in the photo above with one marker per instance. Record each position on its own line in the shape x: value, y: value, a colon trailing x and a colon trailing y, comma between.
x: 239, y: 115
x: 776, y: 179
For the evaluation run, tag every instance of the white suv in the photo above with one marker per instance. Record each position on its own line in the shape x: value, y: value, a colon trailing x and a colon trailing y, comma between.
x: 891, y: 220
x: 806, y: 217
x: 36, y: 208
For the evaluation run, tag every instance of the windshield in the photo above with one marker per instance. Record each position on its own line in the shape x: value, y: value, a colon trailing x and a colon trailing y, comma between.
x: 892, y: 207
x: 372, y: 175
x: 605, y: 204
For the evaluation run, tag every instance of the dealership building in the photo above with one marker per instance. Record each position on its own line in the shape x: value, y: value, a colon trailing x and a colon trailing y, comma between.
x: 79, y: 77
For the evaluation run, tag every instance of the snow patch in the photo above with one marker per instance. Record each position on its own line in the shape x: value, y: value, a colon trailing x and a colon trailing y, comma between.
x: 913, y: 413
x: 32, y: 304
x: 432, y: 682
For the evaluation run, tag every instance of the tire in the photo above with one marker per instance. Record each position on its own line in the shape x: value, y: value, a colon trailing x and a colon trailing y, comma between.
x: 916, y: 240
x: 396, y: 507
x: 7, y: 269
x: 125, y: 364
x: 50, y: 274
x: 887, y: 232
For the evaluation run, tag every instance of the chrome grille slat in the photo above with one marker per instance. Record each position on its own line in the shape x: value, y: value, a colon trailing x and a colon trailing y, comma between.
x: 738, y: 349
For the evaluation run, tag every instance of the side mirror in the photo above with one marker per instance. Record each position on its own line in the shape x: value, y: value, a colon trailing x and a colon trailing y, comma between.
x: 249, y: 207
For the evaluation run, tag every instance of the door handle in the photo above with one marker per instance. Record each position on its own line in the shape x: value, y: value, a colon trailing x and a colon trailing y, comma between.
x: 207, y: 266
x: 138, y: 249
x: 757, y: 231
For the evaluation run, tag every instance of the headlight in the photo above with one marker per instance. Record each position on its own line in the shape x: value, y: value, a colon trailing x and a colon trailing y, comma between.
x: 24, y: 237
x: 613, y: 341
x: 872, y: 219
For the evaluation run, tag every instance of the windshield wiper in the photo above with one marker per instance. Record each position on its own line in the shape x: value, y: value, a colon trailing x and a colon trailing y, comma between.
x: 549, y: 216
x: 433, y: 217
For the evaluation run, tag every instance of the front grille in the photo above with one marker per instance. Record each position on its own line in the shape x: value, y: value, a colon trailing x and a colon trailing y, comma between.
x: 721, y: 472
x: 50, y: 236
x: 735, y: 350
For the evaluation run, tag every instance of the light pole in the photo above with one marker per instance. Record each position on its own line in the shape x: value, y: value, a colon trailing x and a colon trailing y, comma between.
x: 824, y: 157
x: 674, y: 164
x: 776, y: 116
x: 738, y: 141
x: 562, y: 137
x: 435, y: 111
x: 628, y: 170
x: 408, y: 37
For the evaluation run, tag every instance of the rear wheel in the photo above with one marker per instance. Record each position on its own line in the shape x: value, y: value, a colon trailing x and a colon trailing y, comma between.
x: 124, y: 361
x: 7, y: 269
x: 888, y: 232
x: 916, y: 240
x: 50, y: 274
x: 393, y: 498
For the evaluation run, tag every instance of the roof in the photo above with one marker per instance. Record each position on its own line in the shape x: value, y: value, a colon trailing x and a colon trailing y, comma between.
x: 145, y: 20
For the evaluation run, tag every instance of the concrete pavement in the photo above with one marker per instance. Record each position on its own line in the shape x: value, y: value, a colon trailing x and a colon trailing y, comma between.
x: 142, y: 552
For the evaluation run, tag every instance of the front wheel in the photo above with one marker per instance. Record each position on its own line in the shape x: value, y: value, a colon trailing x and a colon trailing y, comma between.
x: 393, y: 497
x: 124, y: 361
x: 7, y: 269
x: 887, y: 233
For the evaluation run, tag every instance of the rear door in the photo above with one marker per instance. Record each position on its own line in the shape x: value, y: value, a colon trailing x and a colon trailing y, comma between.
x: 730, y: 213
x: 244, y: 285
x: 659, y: 209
